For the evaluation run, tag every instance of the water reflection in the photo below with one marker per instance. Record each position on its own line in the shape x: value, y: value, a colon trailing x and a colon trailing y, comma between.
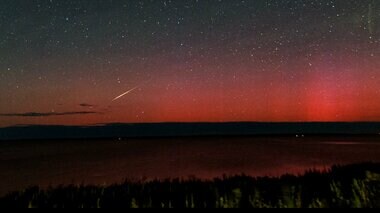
x: 104, y: 162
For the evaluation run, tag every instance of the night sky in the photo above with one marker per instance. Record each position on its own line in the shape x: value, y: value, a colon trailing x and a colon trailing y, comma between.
x: 83, y: 62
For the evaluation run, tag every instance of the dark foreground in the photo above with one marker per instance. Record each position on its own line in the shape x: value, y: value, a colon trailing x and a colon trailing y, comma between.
x: 355, y: 186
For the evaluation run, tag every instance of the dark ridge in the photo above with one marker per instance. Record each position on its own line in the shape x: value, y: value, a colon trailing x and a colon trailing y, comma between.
x: 186, y: 129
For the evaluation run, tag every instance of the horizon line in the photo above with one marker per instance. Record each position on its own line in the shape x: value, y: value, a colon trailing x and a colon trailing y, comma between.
x: 200, y: 122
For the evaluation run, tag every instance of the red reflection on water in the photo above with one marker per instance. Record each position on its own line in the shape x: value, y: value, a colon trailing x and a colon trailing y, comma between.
x: 106, y: 162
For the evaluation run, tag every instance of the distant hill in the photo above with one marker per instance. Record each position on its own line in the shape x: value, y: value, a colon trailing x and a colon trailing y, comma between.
x: 185, y: 129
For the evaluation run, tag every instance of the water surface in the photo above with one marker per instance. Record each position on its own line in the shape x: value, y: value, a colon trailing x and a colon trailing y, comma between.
x: 45, y: 163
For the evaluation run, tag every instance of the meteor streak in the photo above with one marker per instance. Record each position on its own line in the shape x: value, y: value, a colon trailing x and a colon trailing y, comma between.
x: 124, y: 94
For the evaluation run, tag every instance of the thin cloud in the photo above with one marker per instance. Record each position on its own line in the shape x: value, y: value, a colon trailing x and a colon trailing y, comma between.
x: 48, y: 114
x: 87, y: 105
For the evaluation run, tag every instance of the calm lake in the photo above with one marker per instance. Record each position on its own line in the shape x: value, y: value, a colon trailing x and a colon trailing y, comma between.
x: 46, y: 163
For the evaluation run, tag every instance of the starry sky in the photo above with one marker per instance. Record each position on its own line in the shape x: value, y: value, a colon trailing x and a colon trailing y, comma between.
x: 84, y: 62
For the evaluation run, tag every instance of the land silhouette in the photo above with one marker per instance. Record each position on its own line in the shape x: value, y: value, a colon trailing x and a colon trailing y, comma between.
x: 353, y: 186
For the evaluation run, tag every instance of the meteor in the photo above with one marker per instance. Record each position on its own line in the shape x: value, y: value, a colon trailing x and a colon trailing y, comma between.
x: 124, y: 94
